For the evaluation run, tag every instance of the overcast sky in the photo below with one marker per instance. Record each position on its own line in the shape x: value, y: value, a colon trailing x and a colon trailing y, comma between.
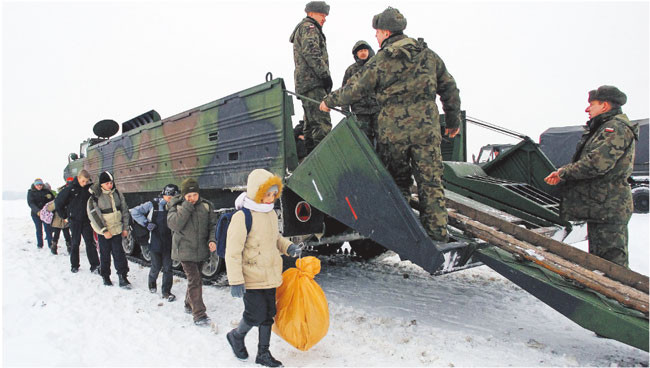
x: 524, y: 65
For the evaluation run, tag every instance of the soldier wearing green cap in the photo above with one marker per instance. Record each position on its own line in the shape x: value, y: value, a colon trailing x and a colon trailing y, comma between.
x: 405, y: 76
x: 595, y: 187
x: 312, y: 73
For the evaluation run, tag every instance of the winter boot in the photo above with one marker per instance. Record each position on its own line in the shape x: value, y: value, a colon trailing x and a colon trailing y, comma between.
x: 107, y: 280
x: 169, y: 296
x: 236, y: 340
x: 203, y: 321
x: 69, y: 246
x: 124, y: 282
x: 152, y: 287
x: 264, y: 356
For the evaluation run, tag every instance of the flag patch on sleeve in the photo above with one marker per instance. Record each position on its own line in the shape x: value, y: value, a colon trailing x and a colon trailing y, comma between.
x: 609, y: 130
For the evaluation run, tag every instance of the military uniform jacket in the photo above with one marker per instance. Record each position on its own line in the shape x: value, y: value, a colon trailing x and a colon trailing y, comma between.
x: 107, y: 210
x: 405, y: 77
x: 193, y: 228
x: 309, y: 56
x: 368, y: 104
x: 596, y: 187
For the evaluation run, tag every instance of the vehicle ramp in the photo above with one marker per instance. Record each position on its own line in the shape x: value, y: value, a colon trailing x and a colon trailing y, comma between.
x: 344, y: 178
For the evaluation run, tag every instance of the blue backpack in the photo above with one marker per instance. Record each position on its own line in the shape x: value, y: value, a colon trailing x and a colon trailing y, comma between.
x: 221, y: 231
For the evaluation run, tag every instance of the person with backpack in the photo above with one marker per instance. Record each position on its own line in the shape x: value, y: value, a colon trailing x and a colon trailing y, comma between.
x: 109, y: 217
x: 254, y: 262
x: 152, y: 215
x: 192, y: 221
x: 37, y: 197
x: 59, y: 224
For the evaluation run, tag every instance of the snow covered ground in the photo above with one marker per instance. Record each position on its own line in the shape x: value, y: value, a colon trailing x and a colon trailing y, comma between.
x: 382, y: 313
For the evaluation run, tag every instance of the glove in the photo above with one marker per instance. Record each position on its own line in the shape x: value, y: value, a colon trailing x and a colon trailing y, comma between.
x: 151, y: 226
x: 327, y: 82
x: 295, y: 250
x: 237, y: 291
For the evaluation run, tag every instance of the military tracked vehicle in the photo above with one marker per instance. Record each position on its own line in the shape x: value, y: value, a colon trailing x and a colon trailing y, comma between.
x: 502, y: 215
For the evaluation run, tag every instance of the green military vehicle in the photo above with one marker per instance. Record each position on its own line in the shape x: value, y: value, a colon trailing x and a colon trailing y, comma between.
x: 341, y: 192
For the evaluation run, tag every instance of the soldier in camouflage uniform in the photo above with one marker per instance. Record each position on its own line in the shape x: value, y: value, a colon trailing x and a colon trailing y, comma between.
x: 312, y: 73
x: 405, y: 77
x: 595, y: 183
x: 367, y: 109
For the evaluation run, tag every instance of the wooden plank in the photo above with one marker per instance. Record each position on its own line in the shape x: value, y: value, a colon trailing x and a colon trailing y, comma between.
x: 586, y: 260
x: 624, y: 294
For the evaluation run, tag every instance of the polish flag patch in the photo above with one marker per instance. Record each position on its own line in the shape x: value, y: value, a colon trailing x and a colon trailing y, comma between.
x: 609, y: 130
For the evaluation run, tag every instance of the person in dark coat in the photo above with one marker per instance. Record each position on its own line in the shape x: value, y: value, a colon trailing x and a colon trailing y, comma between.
x: 160, y: 244
x: 37, y: 197
x: 71, y: 204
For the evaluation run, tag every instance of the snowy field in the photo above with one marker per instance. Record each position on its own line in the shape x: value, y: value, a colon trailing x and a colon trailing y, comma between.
x: 382, y: 313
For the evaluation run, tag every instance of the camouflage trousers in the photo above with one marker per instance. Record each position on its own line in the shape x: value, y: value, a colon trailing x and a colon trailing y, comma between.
x: 368, y: 125
x: 608, y: 241
x: 317, y: 123
x: 424, y: 162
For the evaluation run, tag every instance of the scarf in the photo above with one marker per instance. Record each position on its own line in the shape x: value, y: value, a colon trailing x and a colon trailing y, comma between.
x: 243, y: 201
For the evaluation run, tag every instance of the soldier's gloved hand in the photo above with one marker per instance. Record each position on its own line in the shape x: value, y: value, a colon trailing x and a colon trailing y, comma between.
x: 151, y: 226
x: 237, y: 291
x: 327, y: 84
x: 295, y: 250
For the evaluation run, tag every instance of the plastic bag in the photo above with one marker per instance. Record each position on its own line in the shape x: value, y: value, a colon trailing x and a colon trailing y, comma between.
x: 302, y: 317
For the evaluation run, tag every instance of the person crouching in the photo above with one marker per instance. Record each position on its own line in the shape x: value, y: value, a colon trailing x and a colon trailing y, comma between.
x: 109, y: 217
x: 254, y: 264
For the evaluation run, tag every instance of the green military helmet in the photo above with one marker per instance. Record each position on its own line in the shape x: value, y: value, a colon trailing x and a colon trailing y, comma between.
x: 390, y: 19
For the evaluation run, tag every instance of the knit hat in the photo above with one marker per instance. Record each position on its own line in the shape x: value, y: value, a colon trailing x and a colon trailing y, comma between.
x: 189, y: 185
x: 317, y: 7
x: 390, y: 19
x: 609, y: 94
x: 105, y: 177
x: 38, y: 181
x: 170, y: 190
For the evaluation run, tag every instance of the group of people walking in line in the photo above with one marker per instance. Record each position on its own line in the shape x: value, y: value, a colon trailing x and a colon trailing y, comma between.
x: 393, y: 95
x: 182, y: 228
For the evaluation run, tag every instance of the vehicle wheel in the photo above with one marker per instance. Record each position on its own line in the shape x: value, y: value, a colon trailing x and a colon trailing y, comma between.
x: 640, y: 199
x: 366, y: 248
x: 129, y: 245
x: 211, y: 269
x: 177, y: 265
x: 328, y: 249
x: 146, y: 253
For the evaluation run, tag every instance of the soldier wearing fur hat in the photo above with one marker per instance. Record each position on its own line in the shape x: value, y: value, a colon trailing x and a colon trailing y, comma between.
x: 405, y: 76
x: 367, y: 108
x: 109, y: 217
x: 192, y: 220
x: 595, y: 187
x: 312, y: 74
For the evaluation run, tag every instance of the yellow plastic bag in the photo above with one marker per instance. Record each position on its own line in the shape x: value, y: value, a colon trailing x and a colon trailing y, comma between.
x: 302, y: 317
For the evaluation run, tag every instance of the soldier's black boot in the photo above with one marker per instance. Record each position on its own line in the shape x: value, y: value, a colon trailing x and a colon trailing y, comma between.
x: 107, y: 280
x: 236, y: 340
x: 124, y: 282
x: 264, y: 356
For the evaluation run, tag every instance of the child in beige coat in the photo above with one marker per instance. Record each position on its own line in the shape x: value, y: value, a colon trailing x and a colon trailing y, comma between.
x: 254, y: 262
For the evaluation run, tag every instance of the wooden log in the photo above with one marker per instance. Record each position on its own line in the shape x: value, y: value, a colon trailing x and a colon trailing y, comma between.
x: 624, y: 294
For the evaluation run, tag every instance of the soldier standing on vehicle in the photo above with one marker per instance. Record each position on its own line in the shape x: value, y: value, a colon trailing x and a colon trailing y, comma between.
x: 595, y: 183
x: 37, y: 197
x: 71, y: 204
x: 312, y: 75
x: 153, y: 216
x: 109, y: 217
x: 192, y: 221
x: 405, y: 77
x: 367, y: 109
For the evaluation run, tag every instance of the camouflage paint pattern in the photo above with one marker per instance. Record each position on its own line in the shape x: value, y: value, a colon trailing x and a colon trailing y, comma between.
x: 218, y: 143
x: 405, y: 77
